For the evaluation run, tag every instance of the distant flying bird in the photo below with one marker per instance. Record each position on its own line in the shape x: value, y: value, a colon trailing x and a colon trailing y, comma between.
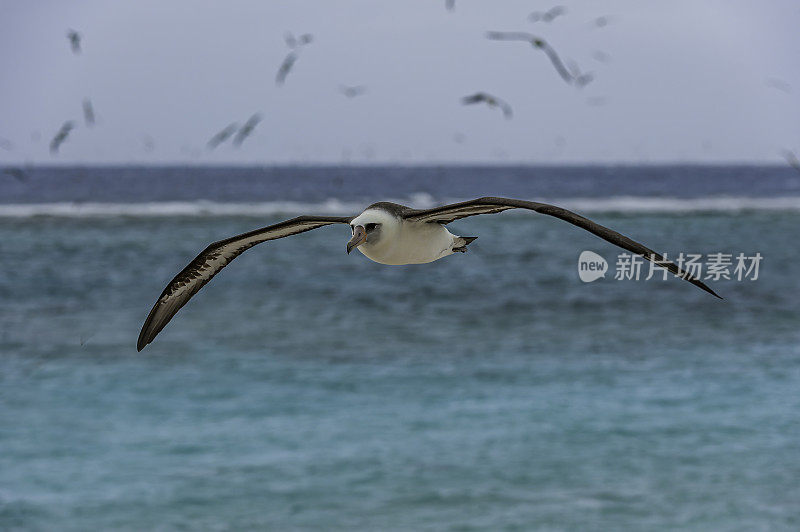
x: 246, y: 129
x: 352, y: 91
x: 294, y: 42
x: 84, y: 338
x: 601, y: 56
x: 6, y: 144
x: 222, y: 136
x: 386, y: 233
x: 779, y: 84
x: 450, y: 5
x: 285, y: 68
x: 601, y: 22
x: 17, y: 173
x: 148, y: 143
x: 88, y: 112
x: 547, y: 16
x: 74, y: 41
x: 536, y: 42
x: 491, y: 101
x: 792, y: 159
x: 61, y: 136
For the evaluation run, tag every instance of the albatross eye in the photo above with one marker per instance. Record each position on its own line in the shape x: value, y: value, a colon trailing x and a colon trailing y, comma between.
x: 370, y: 227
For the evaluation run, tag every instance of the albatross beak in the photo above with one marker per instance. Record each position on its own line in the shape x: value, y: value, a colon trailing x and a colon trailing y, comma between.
x: 359, y: 237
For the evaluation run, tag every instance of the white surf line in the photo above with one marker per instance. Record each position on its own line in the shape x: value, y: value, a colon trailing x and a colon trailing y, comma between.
x: 621, y: 204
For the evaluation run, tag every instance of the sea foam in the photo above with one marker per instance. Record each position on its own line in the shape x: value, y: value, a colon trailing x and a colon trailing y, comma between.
x: 620, y: 204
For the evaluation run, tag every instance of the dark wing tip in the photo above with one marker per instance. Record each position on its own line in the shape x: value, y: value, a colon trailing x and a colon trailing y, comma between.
x: 149, y: 332
x: 707, y: 289
x: 143, y: 338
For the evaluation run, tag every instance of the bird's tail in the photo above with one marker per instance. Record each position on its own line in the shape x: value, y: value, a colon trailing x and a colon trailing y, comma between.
x: 461, y: 243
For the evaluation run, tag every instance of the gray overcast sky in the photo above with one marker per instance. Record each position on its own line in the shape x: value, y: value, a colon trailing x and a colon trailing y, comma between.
x: 687, y: 80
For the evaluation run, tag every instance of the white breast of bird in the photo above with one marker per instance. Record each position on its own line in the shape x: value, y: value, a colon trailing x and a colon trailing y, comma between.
x: 404, y: 242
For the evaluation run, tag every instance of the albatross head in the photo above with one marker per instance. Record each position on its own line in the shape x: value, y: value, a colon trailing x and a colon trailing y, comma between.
x: 372, y: 229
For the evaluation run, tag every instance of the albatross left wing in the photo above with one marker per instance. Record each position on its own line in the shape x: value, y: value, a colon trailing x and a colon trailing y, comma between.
x: 211, y: 260
x: 491, y: 205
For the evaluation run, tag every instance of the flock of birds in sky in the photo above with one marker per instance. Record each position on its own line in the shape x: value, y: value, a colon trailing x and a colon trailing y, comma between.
x: 569, y: 72
x: 88, y: 110
x: 566, y: 69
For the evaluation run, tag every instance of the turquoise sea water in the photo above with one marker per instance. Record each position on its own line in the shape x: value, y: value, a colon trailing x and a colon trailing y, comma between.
x: 307, y: 389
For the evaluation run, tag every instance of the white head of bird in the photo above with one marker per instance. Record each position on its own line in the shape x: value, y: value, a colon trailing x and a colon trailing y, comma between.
x: 374, y: 231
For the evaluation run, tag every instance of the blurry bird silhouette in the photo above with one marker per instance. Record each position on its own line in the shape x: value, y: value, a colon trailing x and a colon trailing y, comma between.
x: 779, y: 84
x: 352, y: 91
x: 246, y: 129
x: 601, y: 22
x: 294, y: 42
x: 84, y: 338
x: 88, y: 112
x: 6, y: 144
x: 285, y: 68
x: 491, y: 101
x: 450, y: 5
x: 17, y: 173
x: 222, y: 136
x: 61, y: 136
x: 74, y: 41
x: 601, y: 56
x: 792, y: 159
x: 547, y: 16
x: 536, y: 42
x: 148, y: 143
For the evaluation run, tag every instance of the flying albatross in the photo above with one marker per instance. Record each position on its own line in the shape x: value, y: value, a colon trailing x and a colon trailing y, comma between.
x: 491, y: 101
x: 536, y: 42
x: 386, y: 233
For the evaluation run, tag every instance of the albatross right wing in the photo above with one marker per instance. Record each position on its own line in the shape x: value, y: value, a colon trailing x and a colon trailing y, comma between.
x: 492, y: 205
x: 211, y: 260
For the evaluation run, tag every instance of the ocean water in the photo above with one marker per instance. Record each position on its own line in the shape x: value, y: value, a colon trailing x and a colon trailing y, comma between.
x: 305, y: 389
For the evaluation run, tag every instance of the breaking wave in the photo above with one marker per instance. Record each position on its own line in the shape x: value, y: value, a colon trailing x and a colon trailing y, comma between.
x: 620, y: 204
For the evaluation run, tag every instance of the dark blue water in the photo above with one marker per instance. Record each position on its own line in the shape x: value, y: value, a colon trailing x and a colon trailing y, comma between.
x: 307, y: 389
x: 310, y: 184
